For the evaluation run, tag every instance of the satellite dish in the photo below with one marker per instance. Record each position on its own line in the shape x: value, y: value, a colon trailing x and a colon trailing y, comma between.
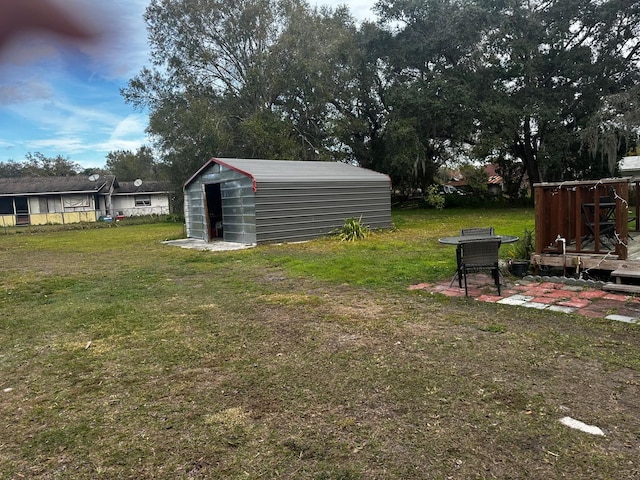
x: 93, y: 177
x: 137, y: 182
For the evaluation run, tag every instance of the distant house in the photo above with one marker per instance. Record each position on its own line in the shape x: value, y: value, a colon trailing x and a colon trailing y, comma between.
x: 61, y: 200
x: 261, y: 201
x: 495, y: 184
x: 130, y: 199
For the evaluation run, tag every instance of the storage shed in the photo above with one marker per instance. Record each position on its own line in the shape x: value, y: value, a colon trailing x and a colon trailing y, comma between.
x: 262, y: 201
x: 630, y: 166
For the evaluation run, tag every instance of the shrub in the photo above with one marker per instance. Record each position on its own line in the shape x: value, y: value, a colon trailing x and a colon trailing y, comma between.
x: 352, y: 230
x: 434, y: 198
x: 523, y: 248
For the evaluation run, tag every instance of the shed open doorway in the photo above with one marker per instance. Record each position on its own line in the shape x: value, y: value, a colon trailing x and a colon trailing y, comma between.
x: 213, y: 197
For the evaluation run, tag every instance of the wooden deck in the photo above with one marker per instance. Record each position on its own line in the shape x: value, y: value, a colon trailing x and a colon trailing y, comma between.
x: 600, y: 261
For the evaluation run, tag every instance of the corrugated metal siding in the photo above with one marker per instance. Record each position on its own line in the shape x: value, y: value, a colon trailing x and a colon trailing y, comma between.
x: 194, y: 212
x: 291, y: 171
x: 239, y: 211
x: 294, y: 212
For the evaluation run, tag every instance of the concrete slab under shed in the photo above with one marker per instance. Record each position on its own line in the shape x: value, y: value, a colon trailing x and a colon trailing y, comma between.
x: 216, y: 246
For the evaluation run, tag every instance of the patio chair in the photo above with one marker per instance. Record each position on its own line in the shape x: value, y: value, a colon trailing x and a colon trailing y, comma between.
x: 465, y: 232
x: 477, y: 231
x: 479, y: 255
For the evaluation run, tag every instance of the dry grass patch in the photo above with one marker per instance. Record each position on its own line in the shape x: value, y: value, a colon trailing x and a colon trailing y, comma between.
x: 240, y: 365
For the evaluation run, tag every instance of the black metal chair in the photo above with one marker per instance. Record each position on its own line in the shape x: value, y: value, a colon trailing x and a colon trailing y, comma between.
x: 480, y: 255
x: 466, y: 232
x: 488, y: 231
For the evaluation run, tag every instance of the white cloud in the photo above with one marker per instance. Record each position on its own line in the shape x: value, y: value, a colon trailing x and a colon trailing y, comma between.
x: 128, y: 134
x: 124, y: 134
x: 130, y: 126
x: 55, y: 116
x: 68, y: 145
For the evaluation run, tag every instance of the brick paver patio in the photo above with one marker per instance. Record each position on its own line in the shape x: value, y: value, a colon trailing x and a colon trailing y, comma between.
x: 581, y: 300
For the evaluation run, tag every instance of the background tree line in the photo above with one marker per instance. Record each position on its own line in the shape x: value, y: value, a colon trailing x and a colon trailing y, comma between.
x: 124, y: 164
x: 543, y: 87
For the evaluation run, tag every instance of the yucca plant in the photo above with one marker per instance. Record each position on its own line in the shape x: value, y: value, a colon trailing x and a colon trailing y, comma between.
x: 352, y: 230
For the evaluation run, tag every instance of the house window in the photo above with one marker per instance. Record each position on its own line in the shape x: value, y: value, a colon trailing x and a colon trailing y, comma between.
x: 6, y: 206
x: 75, y: 201
x: 143, y: 201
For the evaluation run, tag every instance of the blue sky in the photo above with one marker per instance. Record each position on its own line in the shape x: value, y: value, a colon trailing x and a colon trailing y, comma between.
x: 63, y: 99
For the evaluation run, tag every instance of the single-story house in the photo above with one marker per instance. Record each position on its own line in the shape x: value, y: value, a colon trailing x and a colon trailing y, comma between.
x: 261, y: 201
x: 130, y: 199
x: 73, y: 199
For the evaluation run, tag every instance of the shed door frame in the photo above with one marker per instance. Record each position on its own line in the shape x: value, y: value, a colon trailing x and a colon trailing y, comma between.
x: 214, y: 217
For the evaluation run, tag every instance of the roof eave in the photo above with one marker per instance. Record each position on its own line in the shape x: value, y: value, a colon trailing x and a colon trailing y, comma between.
x: 70, y: 192
x: 200, y: 170
x: 224, y: 164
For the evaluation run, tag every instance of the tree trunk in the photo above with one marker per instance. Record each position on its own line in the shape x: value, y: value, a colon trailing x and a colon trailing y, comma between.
x: 528, y: 153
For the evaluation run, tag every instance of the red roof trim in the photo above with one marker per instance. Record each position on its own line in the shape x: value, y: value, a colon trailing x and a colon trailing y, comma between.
x: 192, y: 178
x: 254, y: 185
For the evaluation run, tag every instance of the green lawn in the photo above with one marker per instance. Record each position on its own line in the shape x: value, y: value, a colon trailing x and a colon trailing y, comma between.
x: 121, y: 357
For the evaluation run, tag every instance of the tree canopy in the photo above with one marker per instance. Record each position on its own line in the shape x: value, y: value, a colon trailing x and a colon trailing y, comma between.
x: 128, y: 166
x: 38, y: 165
x: 255, y: 78
x: 548, y: 87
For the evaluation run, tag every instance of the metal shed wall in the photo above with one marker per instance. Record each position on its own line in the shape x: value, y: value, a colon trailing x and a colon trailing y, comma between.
x: 278, y: 201
x: 239, y: 211
x: 305, y: 210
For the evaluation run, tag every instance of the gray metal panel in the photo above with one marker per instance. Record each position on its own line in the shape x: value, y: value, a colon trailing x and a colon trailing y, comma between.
x: 286, y: 212
x: 238, y: 210
x: 194, y: 211
x: 265, y: 171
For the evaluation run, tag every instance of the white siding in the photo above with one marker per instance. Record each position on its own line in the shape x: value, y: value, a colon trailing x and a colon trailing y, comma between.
x: 126, y: 205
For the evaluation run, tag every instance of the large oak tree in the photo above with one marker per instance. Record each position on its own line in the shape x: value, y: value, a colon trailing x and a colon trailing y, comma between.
x: 541, y: 86
x: 535, y: 75
x: 253, y: 78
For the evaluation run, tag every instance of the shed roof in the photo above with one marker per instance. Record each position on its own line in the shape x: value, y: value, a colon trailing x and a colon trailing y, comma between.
x: 266, y: 171
x: 44, y: 185
x: 630, y: 163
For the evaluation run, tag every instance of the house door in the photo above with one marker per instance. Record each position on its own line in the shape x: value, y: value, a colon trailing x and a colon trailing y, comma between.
x: 22, y: 211
x: 213, y: 195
